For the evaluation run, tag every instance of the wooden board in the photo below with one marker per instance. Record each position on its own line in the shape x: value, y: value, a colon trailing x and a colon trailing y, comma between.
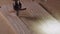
x: 16, y: 25
x: 53, y: 7
x: 30, y: 21
x: 35, y: 17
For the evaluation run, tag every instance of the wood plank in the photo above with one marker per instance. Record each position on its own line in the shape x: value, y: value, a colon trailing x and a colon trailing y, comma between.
x: 53, y: 7
x: 5, y: 28
x: 34, y: 16
x: 33, y: 20
x: 14, y: 22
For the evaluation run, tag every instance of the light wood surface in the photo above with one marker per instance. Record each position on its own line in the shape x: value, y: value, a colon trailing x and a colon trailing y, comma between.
x: 38, y: 16
x: 34, y: 20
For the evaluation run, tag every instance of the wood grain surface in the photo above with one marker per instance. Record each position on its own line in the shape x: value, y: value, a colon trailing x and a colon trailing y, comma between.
x: 34, y: 20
